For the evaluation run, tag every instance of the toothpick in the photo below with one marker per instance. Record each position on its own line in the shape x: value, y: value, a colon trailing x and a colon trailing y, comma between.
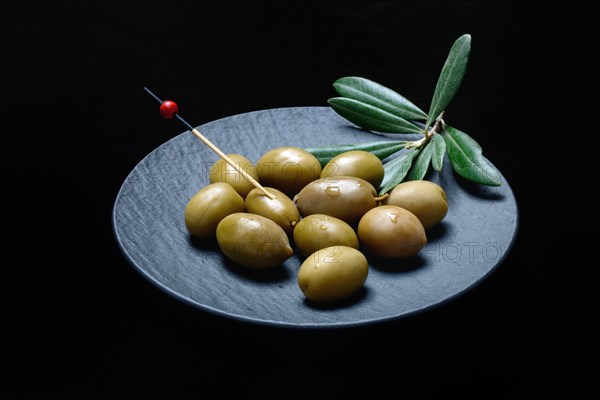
x: 169, y: 110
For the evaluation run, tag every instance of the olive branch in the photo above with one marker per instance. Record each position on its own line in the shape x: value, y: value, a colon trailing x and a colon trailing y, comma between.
x: 376, y: 108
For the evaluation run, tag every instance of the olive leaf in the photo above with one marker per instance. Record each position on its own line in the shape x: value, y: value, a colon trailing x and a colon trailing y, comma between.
x: 438, y: 152
x: 451, y: 77
x: 380, y: 149
x: 421, y: 165
x: 377, y: 95
x: 396, y: 169
x: 370, y: 117
x: 467, y: 160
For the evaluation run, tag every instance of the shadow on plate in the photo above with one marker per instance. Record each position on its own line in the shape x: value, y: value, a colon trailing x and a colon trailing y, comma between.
x: 437, y: 232
x: 398, y: 265
x: 279, y: 274
x: 204, y: 244
x: 360, y: 295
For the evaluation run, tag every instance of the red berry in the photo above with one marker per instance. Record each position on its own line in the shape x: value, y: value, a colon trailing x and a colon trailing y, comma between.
x: 168, y: 109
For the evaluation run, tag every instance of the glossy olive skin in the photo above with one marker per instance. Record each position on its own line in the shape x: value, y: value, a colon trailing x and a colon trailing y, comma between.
x: 209, y: 206
x: 358, y: 163
x: 318, y: 231
x: 333, y: 273
x: 288, y: 169
x: 391, y: 232
x: 253, y: 241
x: 282, y: 210
x: 425, y: 199
x: 345, y: 197
x: 223, y: 172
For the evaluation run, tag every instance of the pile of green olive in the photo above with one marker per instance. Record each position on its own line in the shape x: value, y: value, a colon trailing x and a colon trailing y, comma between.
x: 330, y: 214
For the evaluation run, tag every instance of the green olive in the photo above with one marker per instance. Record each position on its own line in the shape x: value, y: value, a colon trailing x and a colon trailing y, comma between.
x: 281, y: 210
x: 358, y: 163
x: 209, y: 206
x: 223, y: 172
x: 345, y: 197
x: 425, y: 199
x: 288, y: 169
x: 253, y: 241
x: 318, y: 231
x: 391, y: 232
x: 333, y: 273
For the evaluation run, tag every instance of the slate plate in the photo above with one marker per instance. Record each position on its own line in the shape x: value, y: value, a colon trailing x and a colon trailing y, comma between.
x: 148, y: 223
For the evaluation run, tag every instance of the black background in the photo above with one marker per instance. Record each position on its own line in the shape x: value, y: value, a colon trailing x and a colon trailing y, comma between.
x: 78, y: 321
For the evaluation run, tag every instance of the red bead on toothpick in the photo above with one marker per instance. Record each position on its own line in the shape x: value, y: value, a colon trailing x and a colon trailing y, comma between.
x: 168, y: 109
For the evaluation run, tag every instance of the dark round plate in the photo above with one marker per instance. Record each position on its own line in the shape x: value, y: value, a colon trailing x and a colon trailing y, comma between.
x: 148, y: 224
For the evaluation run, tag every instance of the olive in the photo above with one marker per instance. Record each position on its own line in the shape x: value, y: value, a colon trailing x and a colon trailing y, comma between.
x: 288, y: 169
x: 345, y: 197
x: 318, y: 231
x: 253, y: 241
x: 391, y: 232
x: 281, y: 210
x: 223, y: 172
x: 358, y: 163
x: 425, y: 199
x: 333, y: 273
x: 209, y: 206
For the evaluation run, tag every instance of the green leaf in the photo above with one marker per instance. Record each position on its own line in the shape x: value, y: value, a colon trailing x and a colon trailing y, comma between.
x: 467, y: 160
x: 421, y: 165
x: 439, y: 150
x: 396, y: 169
x: 380, y: 149
x: 450, y: 77
x: 371, y: 118
x: 377, y: 95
